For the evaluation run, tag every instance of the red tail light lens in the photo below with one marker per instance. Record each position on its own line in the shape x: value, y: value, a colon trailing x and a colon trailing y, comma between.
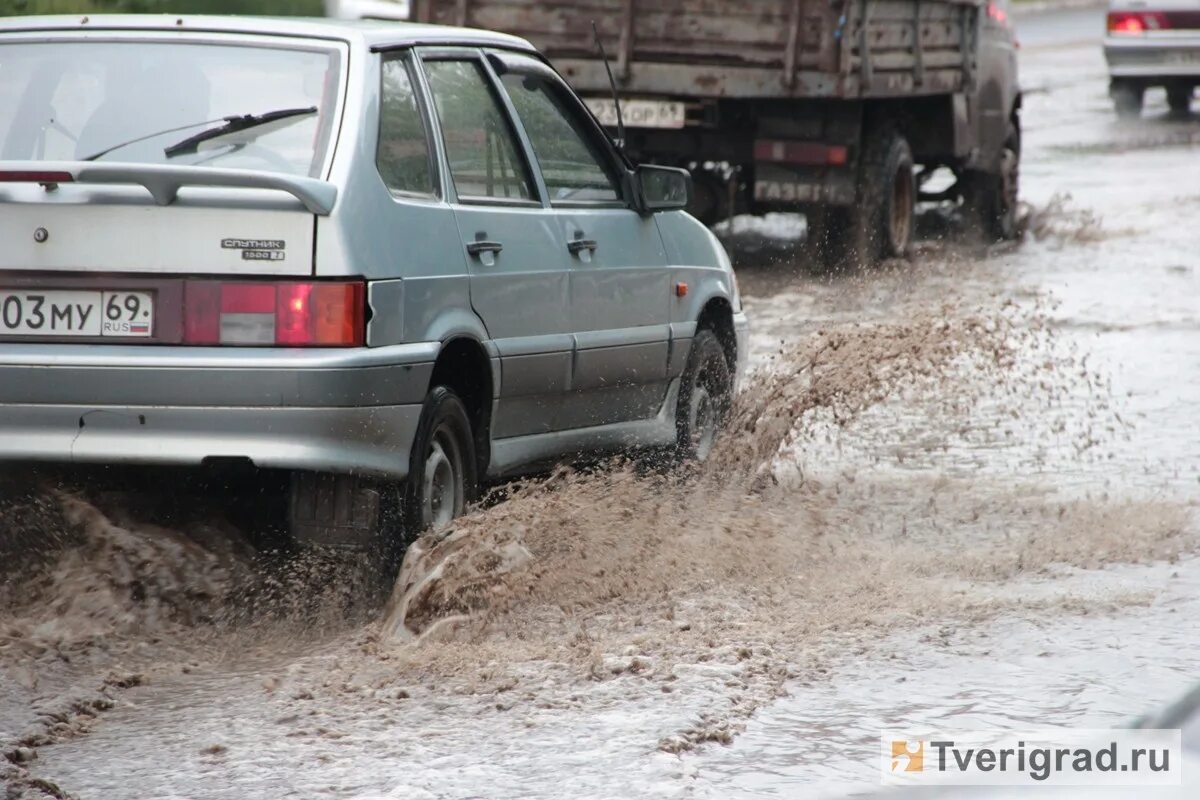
x: 293, y: 314
x: 285, y: 313
x: 26, y: 176
x: 1135, y: 23
x: 201, y: 312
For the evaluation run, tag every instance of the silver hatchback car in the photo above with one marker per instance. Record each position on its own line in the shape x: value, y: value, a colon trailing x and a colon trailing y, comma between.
x: 393, y: 260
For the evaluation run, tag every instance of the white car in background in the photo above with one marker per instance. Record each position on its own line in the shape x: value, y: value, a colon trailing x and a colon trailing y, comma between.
x: 368, y: 9
x: 1152, y: 43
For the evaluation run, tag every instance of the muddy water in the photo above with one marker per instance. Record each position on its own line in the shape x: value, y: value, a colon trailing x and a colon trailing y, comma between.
x: 1112, y: 259
x: 976, y: 464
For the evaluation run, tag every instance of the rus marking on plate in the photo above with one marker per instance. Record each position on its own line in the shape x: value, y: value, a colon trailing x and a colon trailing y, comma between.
x: 253, y: 244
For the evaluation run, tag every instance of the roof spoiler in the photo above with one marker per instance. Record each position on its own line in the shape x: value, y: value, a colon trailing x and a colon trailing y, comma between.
x: 164, y: 181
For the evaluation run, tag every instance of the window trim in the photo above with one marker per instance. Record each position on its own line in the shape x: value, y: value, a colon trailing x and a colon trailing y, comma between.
x: 475, y: 55
x: 522, y: 62
x: 405, y: 56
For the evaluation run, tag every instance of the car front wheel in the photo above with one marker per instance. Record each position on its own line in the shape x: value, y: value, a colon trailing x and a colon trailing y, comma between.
x: 705, y: 394
x: 441, y: 479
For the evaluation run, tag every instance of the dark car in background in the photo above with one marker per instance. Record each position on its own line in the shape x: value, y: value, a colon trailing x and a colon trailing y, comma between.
x: 1152, y: 44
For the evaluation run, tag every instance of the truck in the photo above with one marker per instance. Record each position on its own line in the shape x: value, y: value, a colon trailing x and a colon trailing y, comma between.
x: 848, y: 111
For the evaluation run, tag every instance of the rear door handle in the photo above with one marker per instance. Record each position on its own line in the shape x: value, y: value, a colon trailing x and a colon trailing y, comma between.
x: 481, y: 246
x: 577, y: 246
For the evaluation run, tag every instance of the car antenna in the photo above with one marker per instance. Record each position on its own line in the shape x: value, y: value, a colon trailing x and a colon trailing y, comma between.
x: 613, y: 83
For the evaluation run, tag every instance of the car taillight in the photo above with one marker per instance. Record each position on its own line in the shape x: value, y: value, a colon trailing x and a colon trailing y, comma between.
x: 997, y: 14
x: 1135, y: 23
x: 284, y: 313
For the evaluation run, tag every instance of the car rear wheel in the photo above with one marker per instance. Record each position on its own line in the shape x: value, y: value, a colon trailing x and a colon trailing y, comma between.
x: 1127, y: 99
x: 705, y: 394
x: 1179, y: 98
x: 441, y: 478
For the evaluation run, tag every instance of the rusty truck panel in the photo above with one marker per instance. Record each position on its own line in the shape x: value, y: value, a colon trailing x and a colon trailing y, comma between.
x: 742, y: 48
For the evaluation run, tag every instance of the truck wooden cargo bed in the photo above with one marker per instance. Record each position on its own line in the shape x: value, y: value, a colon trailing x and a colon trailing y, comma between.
x: 743, y: 48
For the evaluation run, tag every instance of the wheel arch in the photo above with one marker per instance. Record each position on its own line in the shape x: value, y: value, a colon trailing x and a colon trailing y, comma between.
x: 717, y: 316
x: 464, y: 366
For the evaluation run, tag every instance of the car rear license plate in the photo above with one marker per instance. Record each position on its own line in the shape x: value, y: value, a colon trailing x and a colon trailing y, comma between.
x: 56, y: 312
x: 1183, y: 57
x: 639, y: 113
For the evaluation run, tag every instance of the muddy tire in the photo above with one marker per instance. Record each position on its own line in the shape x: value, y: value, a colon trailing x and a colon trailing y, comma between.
x: 1127, y: 99
x: 705, y: 394
x: 442, y: 476
x: 880, y: 224
x: 1179, y: 98
x: 990, y: 199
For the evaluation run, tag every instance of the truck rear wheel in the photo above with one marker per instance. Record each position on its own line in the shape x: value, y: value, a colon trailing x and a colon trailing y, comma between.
x: 880, y: 224
x: 990, y: 199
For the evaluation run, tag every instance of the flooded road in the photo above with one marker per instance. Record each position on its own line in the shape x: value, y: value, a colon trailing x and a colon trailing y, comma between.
x: 959, y: 494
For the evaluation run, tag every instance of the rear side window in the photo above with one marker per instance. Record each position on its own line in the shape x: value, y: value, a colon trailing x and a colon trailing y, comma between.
x: 480, y: 146
x: 571, y: 163
x: 403, y: 156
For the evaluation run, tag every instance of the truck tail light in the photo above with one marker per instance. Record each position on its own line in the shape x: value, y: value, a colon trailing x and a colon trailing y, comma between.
x: 286, y: 314
x: 1135, y: 23
x: 807, y: 153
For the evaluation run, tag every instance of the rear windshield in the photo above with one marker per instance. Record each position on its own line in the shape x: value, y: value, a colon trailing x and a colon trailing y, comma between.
x: 149, y: 102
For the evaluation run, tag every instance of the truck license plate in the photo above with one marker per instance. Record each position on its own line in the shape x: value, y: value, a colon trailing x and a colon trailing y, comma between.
x: 639, y: 113
x: 53, y: 312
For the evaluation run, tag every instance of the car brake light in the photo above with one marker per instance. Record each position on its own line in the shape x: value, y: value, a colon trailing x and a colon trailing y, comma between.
x: 997, y: 13
x: 1135, y: 23
x: 278, y: 313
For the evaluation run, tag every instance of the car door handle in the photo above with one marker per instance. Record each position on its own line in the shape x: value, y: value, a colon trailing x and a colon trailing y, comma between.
x: 577, y: 246
x: 481, y: 246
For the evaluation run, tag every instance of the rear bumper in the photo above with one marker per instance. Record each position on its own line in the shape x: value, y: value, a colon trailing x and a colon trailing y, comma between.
x: 370, y: 441
x: 327, y: 410
x: 1153, y: 57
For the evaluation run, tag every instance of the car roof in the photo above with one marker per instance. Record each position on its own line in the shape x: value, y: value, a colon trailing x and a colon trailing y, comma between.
x: 369, y: 33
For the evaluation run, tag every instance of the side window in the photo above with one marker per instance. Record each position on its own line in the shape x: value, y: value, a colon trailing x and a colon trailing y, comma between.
x: 480, y: 146
x: 403, y: 156
x: 572, y: 164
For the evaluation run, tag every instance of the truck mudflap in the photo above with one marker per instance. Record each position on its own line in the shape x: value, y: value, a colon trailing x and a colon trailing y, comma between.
x: 790, y: 173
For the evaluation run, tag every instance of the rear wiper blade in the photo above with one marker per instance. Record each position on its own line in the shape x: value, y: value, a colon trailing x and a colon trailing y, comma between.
x: 236, y: 125
x: 101, y: 153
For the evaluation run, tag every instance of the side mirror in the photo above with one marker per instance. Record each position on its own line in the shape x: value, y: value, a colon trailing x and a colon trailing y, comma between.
x: 664, y: 188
